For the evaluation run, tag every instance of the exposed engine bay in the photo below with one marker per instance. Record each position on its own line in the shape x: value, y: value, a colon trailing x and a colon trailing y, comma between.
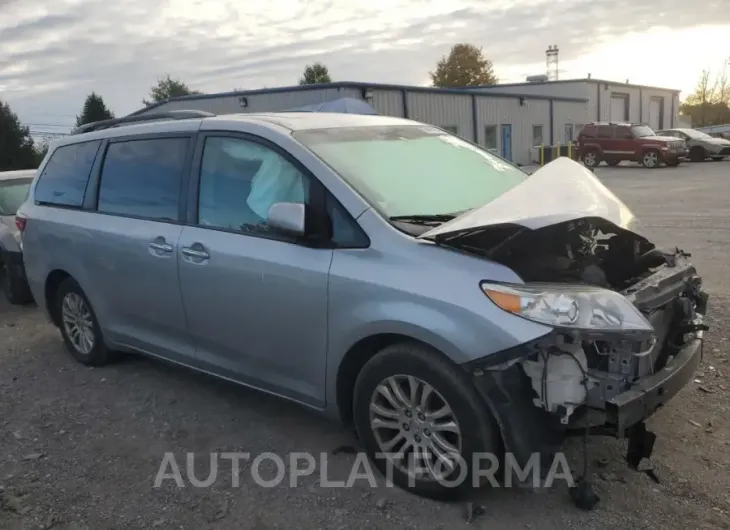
x: 571, y: 369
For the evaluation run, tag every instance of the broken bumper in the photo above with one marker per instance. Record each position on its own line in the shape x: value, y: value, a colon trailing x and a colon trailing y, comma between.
x: 650, y: 393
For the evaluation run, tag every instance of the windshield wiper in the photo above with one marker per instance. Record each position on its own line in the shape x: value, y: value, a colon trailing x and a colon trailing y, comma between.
x: 426, y: 219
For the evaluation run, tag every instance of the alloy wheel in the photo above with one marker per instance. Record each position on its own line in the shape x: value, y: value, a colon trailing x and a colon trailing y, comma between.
x: 651, y: 159
x: 78, y: 323
x: 415, y: 428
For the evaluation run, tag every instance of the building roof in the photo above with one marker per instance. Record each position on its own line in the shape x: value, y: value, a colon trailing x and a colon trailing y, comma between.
x: 567, y: 81
x: 357, y: 85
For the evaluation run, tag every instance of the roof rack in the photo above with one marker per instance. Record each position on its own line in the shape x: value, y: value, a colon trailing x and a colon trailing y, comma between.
x: 127, y: 120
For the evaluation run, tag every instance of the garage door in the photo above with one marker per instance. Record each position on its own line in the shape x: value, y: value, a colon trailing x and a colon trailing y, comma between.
x: 655, y: 114
x: 618, y: 108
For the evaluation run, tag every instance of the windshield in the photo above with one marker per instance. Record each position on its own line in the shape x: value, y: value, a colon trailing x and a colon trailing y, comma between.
x: 413, y: 170
x: 696, y: 134
x: 12, y: 194
x: 642, y: 130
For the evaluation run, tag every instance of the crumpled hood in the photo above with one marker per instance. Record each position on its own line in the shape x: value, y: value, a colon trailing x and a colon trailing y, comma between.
x: 716, y: 141
x: 561, y: 191
x: 658, y: 138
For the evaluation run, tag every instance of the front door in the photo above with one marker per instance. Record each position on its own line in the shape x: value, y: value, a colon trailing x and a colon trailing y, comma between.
x: 507, y: 141
x: 256, y: 302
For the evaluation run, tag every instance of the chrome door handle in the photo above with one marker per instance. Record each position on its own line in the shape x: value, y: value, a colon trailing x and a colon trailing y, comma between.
x: 161, y: 247
x: 192, y: 253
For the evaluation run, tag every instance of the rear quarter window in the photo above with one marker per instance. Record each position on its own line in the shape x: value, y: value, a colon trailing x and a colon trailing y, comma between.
x: 65, y: 176
x: 589, y: 131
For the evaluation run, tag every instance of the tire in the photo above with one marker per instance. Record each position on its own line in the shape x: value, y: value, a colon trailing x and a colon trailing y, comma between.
x: 591, y: 158
x: 412, y: 362
x: 718, y: 158
x: 613, y: 163
x: 650, y: 159
x: 697, y: 154
x: 15, y: 291
x: 69, y: 292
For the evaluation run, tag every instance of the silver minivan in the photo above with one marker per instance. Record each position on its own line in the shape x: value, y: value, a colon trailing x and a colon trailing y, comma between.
x: 425, y: 292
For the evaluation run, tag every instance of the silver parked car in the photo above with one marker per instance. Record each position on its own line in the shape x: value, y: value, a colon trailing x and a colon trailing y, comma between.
x: 418, y: 288
x: 701, y: 146
x: 14, y: 186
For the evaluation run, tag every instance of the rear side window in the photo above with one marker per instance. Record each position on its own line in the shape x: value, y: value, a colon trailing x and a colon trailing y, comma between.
x: 142, y: 178
x: 605, y: 131
x: 64, y: 179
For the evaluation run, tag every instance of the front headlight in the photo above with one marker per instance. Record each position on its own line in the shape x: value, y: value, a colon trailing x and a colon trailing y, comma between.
x: 568, y: 306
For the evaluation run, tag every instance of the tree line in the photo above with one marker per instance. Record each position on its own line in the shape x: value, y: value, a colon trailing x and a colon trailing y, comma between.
x: 464, y: 65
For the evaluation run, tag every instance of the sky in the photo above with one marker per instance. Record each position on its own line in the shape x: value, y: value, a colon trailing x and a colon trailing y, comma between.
x: 53, y: 53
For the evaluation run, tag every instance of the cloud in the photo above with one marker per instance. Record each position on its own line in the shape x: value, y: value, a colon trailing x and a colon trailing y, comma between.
x: 51, y: 59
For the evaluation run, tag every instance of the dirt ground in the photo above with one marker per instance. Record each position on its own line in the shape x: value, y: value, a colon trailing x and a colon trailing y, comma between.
x: 80, y: 448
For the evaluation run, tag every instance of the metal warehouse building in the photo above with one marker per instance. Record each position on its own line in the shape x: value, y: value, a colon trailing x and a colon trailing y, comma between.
x: 508, y: 119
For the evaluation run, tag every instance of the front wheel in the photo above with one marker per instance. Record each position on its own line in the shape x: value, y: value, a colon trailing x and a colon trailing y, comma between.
x: 422, y: 423
x: 650, y: 160
x: 697, y: 154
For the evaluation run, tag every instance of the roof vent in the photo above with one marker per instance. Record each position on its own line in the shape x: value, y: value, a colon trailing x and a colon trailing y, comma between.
x: 540, y: 78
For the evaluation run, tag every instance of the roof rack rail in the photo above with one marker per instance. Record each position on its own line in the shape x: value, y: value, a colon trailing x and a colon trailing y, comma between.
x: 127, y: 120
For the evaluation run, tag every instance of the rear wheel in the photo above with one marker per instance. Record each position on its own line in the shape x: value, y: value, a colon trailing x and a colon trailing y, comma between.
x: 591, y: 158
x: 697, y: 154
x: 421, y: 421
x: 79, y: 326
x: 14, y: 289
x: 650, y: 160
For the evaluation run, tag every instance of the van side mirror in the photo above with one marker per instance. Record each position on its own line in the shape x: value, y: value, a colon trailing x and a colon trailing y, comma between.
x: 287, y: 216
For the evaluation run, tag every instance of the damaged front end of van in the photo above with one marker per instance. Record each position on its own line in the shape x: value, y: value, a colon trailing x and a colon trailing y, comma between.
x: 626, y: 318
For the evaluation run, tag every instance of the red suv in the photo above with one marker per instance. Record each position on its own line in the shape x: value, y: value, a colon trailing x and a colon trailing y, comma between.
x: 614, y: 142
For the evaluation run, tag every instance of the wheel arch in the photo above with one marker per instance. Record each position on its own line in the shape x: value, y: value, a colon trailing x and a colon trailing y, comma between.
x: 53, y: 281
x: 358, y: 355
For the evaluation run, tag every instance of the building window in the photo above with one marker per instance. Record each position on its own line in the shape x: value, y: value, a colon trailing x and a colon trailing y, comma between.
x: 490, y: 137
x: 537, y: 135
x: 568, y: 132
x: 453, y: 129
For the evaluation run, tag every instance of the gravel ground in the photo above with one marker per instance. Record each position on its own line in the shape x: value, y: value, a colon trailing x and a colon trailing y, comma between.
x: 81, y: 447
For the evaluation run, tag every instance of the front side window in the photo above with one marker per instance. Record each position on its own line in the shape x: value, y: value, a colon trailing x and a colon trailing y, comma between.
x: 413, y: 170
x: 143, y: 178
x: 642, y: 130
x: 239, y: 182
x: 537, y: 135
x: 624, y: 133
x: 65, y: 176
x: 12, y: 194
